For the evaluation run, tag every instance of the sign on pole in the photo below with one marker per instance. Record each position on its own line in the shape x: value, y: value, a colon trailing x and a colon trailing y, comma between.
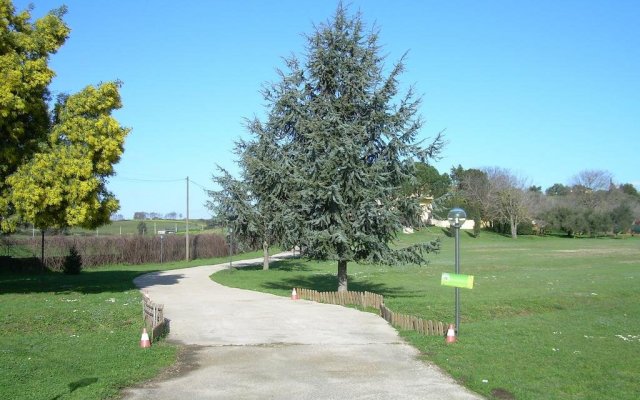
x: 457, y: 280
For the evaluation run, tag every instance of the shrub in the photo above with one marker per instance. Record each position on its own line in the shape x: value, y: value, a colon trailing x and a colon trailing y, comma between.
x: 142, y: 228
x: 103, y: 250
x: 73, y: 262
x: 525, y: 228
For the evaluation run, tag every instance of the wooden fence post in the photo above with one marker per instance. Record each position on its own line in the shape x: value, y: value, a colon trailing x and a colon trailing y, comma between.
x: 363, y: 299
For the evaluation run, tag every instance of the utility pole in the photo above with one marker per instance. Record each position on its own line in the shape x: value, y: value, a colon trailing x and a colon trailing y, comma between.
x: 187, y: 227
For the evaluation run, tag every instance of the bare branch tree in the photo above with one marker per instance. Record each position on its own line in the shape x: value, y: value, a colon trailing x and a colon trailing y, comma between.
x: 508, y: 200
x: 593, y: 179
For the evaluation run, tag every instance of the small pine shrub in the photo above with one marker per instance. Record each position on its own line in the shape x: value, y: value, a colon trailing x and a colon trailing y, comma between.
x: 73, y: 262
x: 142, y: 228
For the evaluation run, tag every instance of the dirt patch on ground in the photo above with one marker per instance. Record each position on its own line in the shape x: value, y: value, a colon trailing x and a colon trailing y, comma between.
x: 502, y: 394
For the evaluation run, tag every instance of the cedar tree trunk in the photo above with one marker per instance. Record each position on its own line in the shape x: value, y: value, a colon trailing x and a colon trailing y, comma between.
x: 342, y: 276
x: 265, y: 254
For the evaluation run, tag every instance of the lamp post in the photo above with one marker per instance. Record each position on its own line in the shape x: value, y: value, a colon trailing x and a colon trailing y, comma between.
x: 456, y: 218
x: 161, y: 248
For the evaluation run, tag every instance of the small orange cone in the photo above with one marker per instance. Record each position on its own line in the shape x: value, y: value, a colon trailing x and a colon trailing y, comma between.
x: 451, y: 334
x: 144, y: 340
x: 294, y: 294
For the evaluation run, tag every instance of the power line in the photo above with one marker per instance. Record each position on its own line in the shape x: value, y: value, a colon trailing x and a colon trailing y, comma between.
x: 199, y: 185
x: 161, y: 181
x: 146, y: 179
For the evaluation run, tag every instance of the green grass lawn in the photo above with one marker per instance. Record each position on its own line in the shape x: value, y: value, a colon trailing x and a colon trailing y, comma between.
x: 548, y: 318
x: 77, y: 336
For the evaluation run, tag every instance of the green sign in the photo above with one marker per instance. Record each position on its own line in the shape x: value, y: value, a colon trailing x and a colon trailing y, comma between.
x: 457, y: 280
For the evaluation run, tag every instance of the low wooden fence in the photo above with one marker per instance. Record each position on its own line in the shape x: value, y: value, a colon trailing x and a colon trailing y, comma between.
x: 362, y: 299
x: 153, y: 317
x: 374, y: 300
x: 411, y: 323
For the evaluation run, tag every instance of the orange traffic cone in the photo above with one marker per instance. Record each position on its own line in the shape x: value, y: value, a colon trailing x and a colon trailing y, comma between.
x: 144, y: 340
x: 294, y: 294
x: 451, y: 334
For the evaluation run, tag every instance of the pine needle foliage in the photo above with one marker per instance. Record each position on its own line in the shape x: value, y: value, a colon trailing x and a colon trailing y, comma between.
x: 338, y: 143
x: 72, y: 262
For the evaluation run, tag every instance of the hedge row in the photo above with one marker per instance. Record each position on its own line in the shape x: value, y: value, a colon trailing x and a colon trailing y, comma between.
x: 104, y: 250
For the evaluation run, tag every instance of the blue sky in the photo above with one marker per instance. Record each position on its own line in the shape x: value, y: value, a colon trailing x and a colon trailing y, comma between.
x: 543, y: 88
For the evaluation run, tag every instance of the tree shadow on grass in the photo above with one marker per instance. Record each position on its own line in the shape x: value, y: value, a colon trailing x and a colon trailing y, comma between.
x: 86, y: 282
x: 73, y: 386
x: 321, y: 281
x: 289, y: 265
x: 447, y: 232
x: 329, y: 283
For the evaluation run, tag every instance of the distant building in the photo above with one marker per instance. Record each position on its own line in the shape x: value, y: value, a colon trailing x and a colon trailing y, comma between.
x: 426, y: 203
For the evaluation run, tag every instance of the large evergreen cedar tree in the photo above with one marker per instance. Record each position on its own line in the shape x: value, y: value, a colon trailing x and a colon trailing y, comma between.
x: 24, y: 79
x: 338, y: 144
x: 64, y: 184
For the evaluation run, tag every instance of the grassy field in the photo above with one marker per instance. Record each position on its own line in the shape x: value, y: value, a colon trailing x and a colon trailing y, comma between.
x: 548, y: 318
x: 77, y: 336
x: 130, y: 227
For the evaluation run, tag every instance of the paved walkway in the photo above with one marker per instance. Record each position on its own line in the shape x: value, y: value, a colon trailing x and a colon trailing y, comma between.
x: 241, y: 344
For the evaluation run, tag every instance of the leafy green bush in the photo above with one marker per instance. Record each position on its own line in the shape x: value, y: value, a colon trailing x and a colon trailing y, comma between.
x: 525, y: 228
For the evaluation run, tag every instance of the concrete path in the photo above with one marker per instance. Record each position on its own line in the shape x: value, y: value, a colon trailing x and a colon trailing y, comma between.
x: 240, y: 344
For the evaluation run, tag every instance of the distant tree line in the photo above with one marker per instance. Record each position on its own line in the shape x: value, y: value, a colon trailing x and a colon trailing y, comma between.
x: 590, y: 205
x: 143, y: 215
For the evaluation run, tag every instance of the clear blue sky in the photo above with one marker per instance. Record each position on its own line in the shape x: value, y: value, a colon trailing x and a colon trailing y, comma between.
x: 544, y: 88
